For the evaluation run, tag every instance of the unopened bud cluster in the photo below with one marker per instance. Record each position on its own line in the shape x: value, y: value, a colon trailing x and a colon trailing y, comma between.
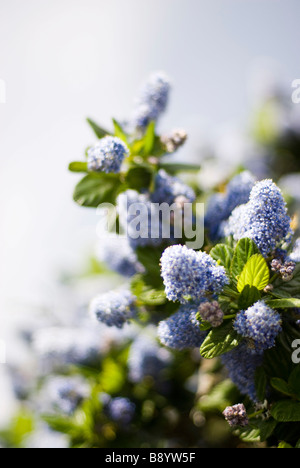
x: 212, y: 313
x: 236, y: 415
x: 286, y: 270
x: 173, y: 141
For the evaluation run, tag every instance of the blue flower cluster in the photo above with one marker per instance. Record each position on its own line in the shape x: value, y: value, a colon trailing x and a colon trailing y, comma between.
x: 63, y: 394
x: 107, y: 155
x: 121, y: 410
x: 182, y: 329
x: 147, y: 358
x: 295, y: 255
x: 168, y: 189
x: 58, y: 347
x: 114, y: 308
x: 220, y: 205
x: 241, y: 365
x: 260, y: 324
x: 152, y: 100
x: 136, y: 215
x: 119, y: 256
x: 263, y: 219
x: 190, y: 275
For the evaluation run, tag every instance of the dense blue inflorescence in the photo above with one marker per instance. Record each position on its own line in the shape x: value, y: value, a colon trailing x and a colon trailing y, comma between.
x: 190, y: 275
x: 147, y: 358
x: 263, y: 219
x: 169, y: 188
x: 260, y: 324
x: 107, y: 155
x: 221, y: 205
x: 114, y: 308
x: 121, y: 410
x: 182, y: 329
x: 119, y: 256
x: 152, y: 100
x: 241, y: 365
x: 63, y: 394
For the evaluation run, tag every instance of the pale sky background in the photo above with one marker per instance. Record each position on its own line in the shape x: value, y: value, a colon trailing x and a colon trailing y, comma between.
x: 64, y: 60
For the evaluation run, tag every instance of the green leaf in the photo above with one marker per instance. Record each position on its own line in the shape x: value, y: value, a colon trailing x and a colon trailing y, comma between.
x: 288, y: 303
x: 255, y: 273
x: 149, y: 139
x: 174, y: 168
x: 249, y: 296
x: 139, y: 177
x: 290, y: 288
x: 284, y: 445
x: 119, y: 132
x: 219, y: 341
x: 99, y: 131
x: 281, y: 386
x: 294, y: 381
x: 260, y: 383
x: 78, y: 166
x: 243, y: 252
x: 258, y: 430
x: 145, y: 292
x: 286, y: 411
x: 223, y: 255
x: 97, y: 188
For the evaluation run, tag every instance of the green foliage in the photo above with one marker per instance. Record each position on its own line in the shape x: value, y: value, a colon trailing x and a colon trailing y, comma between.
x: 219, y: 341
x: 97, y: 188
x: 255, y: 273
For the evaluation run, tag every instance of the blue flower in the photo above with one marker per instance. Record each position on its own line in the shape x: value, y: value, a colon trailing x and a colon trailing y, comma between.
x: 107, y: 155
x: 182, y: 329
x: 114, y: 308
x: 190, y: 275
x: 241, y: 365
x: 152, y: 100
x: 121, y: 410
x: 168, y: 188
x: 119, y: 256
x: 263, y: 219
x: 260, y: 324
x: 221, y: 205
x: 63, y: 394
x: 147, y: 358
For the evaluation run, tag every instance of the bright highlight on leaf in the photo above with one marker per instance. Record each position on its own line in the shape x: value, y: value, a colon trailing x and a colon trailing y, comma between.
x: 255, y: 273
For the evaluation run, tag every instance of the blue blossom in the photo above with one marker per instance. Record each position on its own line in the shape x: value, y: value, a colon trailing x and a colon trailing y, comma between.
x: 241, y: 365
x: 295, y: 255
x: 63, y: 394
x: 121, y: 410
x: 119, y: 256
x: 58, y: 347
x: 107, y: 155
x: 114, y: 308
x: 182, y: 329
x: 147, y: 358
x: 141, y: 220
x: 220, y: 205
x: 168, y: 188
x: 260, y: 324
x: 263, y: 219
x: 236, y: 415
x: 189, y: 274
x: 152, y: 100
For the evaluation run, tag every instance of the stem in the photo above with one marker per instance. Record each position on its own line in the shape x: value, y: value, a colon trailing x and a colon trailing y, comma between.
x: 253, y: 415
x: 227, y: 317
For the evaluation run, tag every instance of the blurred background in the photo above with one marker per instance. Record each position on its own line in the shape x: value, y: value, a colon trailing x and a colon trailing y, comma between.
x: 63, y: 61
